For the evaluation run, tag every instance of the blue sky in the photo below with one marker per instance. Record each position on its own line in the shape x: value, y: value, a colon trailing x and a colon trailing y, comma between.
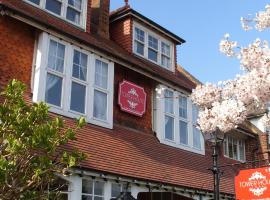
x: 203, y: 23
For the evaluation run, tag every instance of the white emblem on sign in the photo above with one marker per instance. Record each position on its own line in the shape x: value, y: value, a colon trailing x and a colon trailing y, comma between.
x: 133, y: 92
x: 132, y: 104
x: 259, y: 179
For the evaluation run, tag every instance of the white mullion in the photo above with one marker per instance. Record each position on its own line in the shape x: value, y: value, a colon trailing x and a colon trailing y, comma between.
x: 64, y: 8
x: 107, y: 190
x: 159, y: 51
x: 189, y: 123
x: 145, y: 52
x: 110, y: 82
x: 91, y: 76
x: 176, y: 111
x: 93, y: 189
x: 68, y: 65
x: 42, y: 3
x: 83, y: 13
x: 88, y: 88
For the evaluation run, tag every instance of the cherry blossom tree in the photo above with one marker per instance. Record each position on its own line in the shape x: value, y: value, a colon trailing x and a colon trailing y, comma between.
x: 227, y: 104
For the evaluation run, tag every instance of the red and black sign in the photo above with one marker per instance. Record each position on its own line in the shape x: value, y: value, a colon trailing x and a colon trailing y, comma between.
x: 253, y: 184
x: 132, y: 98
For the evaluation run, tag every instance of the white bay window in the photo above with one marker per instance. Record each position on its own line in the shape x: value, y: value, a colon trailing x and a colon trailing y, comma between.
x: 73, y: 11
x: 73, y: 82
x: 175, y: 120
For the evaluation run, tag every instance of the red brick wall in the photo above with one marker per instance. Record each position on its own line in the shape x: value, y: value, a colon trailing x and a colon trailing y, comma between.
x: 100, y: 10
x: 263, y: 152
x: 143, y: 123
x: 16, y: 50
x: 121, y: 33
x: 88, y: 16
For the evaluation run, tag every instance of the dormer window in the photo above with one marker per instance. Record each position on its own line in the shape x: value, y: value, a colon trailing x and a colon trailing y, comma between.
x: 153, y: 47
x: 70, y: 10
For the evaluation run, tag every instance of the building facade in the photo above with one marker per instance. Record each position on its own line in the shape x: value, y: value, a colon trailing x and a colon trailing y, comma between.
x: 77, y: 56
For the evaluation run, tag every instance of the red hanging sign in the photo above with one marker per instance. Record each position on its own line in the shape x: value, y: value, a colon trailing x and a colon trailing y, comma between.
x: 253, y: 184
x: 132, y: 98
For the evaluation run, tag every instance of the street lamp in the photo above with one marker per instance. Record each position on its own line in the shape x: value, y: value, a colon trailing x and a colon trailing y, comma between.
x: 215, y: 138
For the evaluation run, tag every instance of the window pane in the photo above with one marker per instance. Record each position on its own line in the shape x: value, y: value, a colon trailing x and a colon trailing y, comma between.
x: 79, y: 65
x: 183, y: 132
x: 73, y: 15
x: 77, y: 102
x: 169, y: 128
x: 165, y: 49
x: 84, y: 197
x: 35, y: 1
x: 56, y: 56
x: 152, y: 55
x: 98, y: 198
x: 182, y: 107
x: 53, y: 6
x: 100, y: 105
x: 139, y: 34
x: 168, y: 95
x: 101, y: 74
x: 195, y: 113
x: 152, y: 42
x: 116, y: 190
x: 235, y: 152
x: 87, y: 186
x: 225, y: 144
x: 165, y: 61
x: 197, y: 138
x: 230, y: 145
x: 99, y: 188
x: 75, y: 3
x: 139, y: 48
x: 241, y: 150
x: 53, y: 90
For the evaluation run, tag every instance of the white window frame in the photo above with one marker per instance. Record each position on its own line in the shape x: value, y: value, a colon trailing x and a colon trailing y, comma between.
x: 64, y: 6
x: 93, y: 189
x: 226, y: 146
x: 160, y: 121
x: 173, y: 116
x: 122, y: 188
x: 160, y: 39
x: 40, y: 81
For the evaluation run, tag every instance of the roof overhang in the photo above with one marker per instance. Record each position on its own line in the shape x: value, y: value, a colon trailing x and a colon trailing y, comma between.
x: 115, y: 16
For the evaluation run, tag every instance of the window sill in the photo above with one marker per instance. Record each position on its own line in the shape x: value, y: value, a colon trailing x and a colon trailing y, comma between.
x: 183, y: 147
x: 171, y: 69
x: 73, y: 115
x: 242, y: 161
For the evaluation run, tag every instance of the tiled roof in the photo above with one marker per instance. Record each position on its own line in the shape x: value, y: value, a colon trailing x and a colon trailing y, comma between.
x: 131, y: 153
x: 106, y: 46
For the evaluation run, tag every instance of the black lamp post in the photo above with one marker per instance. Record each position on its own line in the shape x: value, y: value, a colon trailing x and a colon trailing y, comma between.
x: 216, y: 138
